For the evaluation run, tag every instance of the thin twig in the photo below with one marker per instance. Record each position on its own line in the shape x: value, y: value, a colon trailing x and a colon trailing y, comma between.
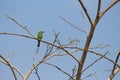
x: 72, y: 25
x: 89, y: 76
x: 10, y: 67
x: 95, y: 61
x: 36, y: 72
x: 49, y: 50
x: 73, y: 72
x: 11, y: 56
x: 59, y: 69
x: 87, y: 31
x: 24, y: 27
x: 75, y: 58
x: 15, y: 34
x: 51, y: 47
x: 100, y: 46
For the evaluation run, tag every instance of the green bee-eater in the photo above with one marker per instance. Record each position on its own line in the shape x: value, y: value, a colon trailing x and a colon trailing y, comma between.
x: 40, y: 36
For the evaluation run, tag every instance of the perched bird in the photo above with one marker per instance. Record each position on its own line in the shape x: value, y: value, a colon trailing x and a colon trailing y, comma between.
x: 40, y: 36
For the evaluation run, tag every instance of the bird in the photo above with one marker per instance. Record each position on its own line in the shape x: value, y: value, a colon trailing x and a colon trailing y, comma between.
x: 39, y: 36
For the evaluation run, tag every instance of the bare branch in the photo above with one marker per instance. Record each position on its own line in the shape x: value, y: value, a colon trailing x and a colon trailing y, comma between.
x: 105, y: 58
x: 99, y: 7
x: 69, y: 54
x: 86, y: 12
x: 16, y: 69
x: 110, y: 6
x: 98, y: 12
x: 72, y: 25
x: 89, y: 76
x: 33, y: 67
x: 24, y: 27
x: 11, y: 56
x: 15, y: 34
x: 95, y: 61
x: 89, y: 38
x: 113, y: 70
x: 98, y: 17
x: 36, y: 72
x: 59, y: 69
x: 73, y: 73
x: 100, y: 46
x: 84, y: 55
x: 87, y: 31
x: 40, y: 62
x: 60, y: 47
x: 10, y: 67
x: 49, y: 50
x: 96, y: 53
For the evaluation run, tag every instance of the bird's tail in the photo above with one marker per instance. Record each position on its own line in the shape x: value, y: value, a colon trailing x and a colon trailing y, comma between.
x: 38, y: 43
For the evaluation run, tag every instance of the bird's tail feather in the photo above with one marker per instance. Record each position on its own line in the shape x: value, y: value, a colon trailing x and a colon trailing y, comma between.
x: 38, y: 43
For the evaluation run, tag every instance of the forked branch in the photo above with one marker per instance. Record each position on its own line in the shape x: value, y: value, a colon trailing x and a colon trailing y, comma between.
x: 9, y: 66
x: 86, y: 12
x: 114, y: 70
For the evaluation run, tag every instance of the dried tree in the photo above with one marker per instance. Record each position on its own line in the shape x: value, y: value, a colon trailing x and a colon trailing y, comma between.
x: 55, y: 47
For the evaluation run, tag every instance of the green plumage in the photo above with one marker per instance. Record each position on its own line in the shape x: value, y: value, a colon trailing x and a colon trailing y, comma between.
x: 40, y: 36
